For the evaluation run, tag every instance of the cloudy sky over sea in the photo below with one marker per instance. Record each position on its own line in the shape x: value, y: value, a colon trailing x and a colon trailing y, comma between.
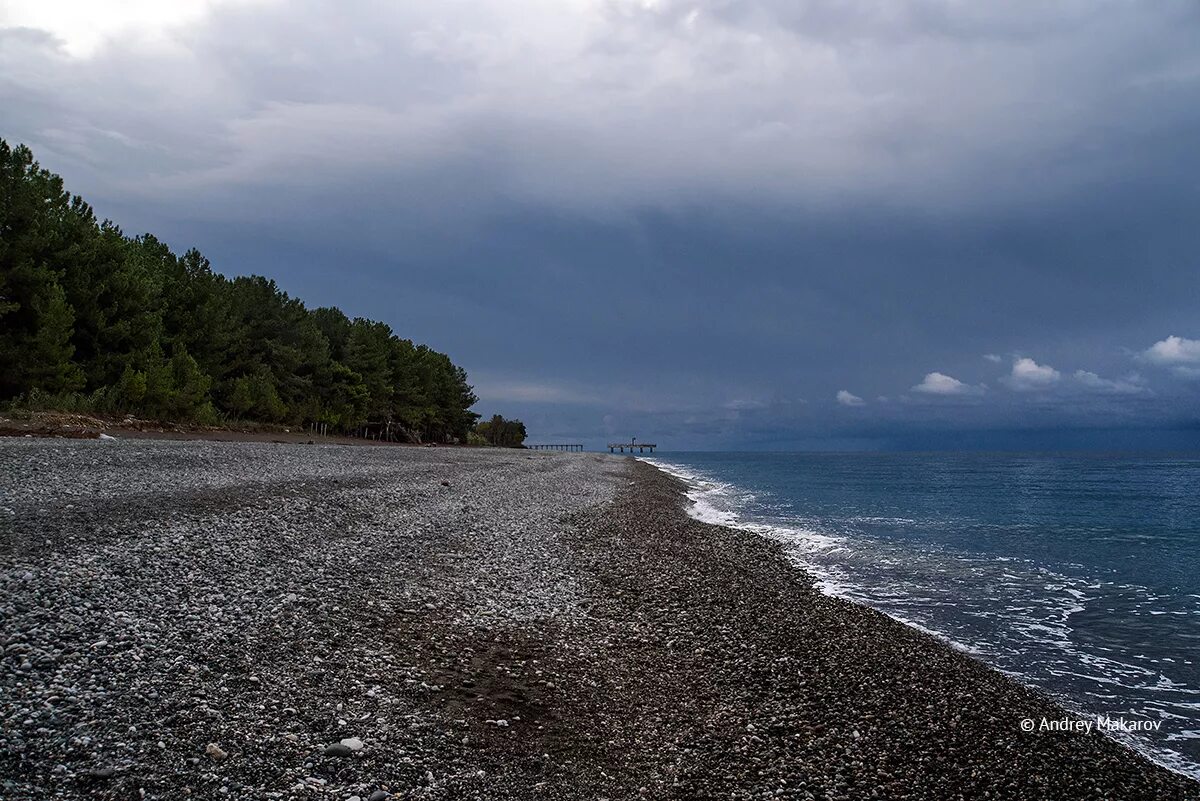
x: 761, y: 223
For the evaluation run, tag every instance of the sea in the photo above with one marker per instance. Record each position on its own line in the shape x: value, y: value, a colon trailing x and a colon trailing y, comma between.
x: 1077, y: 574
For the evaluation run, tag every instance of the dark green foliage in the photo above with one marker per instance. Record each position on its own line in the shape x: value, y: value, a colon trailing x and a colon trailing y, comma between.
x: 255, y: 396
x: 502, y: 433
x: 94, y: 319
x: 39, y: 226
x: 48, y: 345
x: 177, y: 389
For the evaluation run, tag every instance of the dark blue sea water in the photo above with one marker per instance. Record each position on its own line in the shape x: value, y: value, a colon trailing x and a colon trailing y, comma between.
x: 1077, y: 574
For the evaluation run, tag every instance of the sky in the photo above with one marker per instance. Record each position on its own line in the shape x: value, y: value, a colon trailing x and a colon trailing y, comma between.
x: 723, y: 224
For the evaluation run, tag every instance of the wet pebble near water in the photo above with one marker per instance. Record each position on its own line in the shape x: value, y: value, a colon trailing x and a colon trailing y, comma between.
x: 239, y: 620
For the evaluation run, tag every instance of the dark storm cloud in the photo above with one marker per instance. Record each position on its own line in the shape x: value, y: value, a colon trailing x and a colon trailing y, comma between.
x: 703, y: 219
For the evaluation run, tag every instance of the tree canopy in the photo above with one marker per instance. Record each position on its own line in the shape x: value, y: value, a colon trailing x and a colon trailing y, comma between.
x: 501, y: 432
x: 122, y: 324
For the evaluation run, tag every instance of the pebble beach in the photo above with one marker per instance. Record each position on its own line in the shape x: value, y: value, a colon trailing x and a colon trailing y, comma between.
x: 186, y: 619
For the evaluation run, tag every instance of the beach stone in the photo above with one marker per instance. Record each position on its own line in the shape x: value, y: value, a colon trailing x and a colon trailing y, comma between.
x: 570, y: 600
x: 353, y: 743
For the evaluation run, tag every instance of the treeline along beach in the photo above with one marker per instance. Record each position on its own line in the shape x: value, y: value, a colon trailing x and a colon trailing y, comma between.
x: 94, y: 320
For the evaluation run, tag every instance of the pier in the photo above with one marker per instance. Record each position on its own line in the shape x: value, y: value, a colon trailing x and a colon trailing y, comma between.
x: 568, y: 447
x: 642, y: 447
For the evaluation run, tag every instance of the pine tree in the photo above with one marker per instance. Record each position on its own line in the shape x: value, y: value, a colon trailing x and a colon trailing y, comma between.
x: 47, y: 361
x: 83, y: 307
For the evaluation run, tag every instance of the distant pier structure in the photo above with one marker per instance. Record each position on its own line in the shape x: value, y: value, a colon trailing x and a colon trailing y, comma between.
x: 565, y: 447
x: 642, y: 447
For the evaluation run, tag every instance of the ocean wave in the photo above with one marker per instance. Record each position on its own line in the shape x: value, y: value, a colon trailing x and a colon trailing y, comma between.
x: 1028, y: 608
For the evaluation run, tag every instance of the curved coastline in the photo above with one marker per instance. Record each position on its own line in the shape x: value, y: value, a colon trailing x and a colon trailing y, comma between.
x: 696, y: 489
x: 478, y: 623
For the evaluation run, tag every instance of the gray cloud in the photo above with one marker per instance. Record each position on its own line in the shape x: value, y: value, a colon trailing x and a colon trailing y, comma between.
x: 1123, y: 386
x: 672, y: 215
x: 595, y: 106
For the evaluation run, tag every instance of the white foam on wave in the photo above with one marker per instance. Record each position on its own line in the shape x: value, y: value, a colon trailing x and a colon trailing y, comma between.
x: 719, y: 503
x: 1047, y: 623
x: 959, y: 646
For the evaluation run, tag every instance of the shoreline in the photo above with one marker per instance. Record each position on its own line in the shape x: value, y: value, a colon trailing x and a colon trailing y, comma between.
x: 1117, y: 729
x: 483, y: 623
x: 1080, y: 757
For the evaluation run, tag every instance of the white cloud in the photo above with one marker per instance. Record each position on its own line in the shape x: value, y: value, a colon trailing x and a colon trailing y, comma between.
x: 1173, y: 350
x: 993, y: 357
x: 941, y: 384
x: 1180, y: 354
x: 1126, y: 386
x: 1028, y: 375
x: 849, y: 398
x: 83, y: 26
